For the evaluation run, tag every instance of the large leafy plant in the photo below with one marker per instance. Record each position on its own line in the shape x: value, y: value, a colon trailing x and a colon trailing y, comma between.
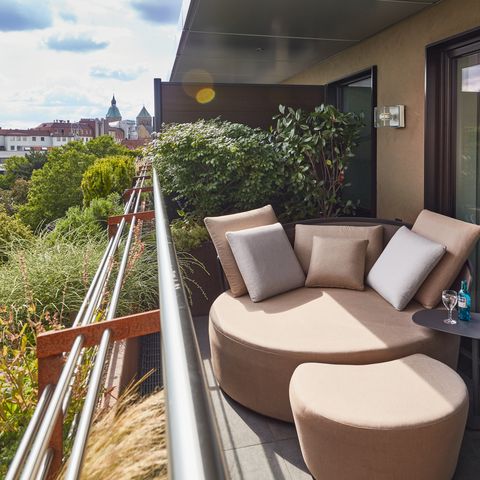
x: 214, y: 167
x: 317, y: 148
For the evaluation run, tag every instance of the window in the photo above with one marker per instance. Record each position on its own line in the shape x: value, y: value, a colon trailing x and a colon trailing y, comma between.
x: 24, y: 139
x: 58, y: 139
x: 34, y: 139
x: 12, y: 147
x: 64, y: 139
x: 19, y: 148
x: 19, y: 138
x: 42, y: 139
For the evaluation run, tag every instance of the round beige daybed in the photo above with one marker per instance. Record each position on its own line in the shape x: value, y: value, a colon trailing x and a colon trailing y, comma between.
x: 257, y: 346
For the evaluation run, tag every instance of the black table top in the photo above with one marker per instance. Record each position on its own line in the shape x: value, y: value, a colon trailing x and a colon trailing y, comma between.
x: 434, y: 319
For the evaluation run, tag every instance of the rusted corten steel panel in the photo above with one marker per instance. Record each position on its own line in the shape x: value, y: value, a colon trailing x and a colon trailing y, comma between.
x: 53, y: 343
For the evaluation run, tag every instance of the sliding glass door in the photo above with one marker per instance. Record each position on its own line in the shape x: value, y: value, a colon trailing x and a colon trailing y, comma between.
x: 358, y: 94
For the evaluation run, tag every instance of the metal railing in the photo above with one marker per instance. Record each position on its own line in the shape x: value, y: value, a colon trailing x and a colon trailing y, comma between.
x: 193, y: 444
x: 33, y: 457
x: 194, y: 448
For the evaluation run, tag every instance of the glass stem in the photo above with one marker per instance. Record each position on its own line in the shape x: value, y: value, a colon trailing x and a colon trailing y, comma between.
x: 450, y: 314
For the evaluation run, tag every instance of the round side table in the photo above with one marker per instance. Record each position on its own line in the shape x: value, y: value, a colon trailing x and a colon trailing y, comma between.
x: 434, y: 319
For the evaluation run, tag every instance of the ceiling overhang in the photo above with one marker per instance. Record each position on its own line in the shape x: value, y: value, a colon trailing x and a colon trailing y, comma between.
x: 269, y: 41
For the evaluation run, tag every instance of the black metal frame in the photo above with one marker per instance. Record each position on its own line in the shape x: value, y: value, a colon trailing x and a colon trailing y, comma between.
x: 440, y: 125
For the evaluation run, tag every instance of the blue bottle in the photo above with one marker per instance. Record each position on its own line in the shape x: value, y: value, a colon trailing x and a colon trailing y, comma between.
x: 464, y: 302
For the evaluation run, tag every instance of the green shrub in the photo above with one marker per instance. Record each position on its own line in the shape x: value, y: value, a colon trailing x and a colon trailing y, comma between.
x: 81, y: 223
x: 107, y: 175
x: 213, y: 167
x: 12, y: 229
x: 317, y: 148
x: 187, y: 233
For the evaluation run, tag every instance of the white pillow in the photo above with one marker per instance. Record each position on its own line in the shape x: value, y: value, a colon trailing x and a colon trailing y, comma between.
x: 266, y: 261
x: 403, y: 266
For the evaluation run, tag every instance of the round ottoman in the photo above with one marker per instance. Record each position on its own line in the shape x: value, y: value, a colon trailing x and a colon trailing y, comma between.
x: 402, y: 419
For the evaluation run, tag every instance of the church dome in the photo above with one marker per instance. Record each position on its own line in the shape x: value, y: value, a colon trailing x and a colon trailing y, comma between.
x: 113, y: 112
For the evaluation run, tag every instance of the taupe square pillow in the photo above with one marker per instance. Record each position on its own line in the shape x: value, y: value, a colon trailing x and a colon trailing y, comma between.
x: 459, y: 238
x: 304, y: 237
x: 337, y: 262
x: 266, y: 261
x: 218, y: 226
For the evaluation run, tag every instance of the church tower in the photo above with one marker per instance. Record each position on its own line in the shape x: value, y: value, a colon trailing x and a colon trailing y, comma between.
x: 113, y: 114
x: 145, y: 119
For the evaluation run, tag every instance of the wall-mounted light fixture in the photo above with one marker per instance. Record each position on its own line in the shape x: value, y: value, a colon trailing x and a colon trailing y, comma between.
x: 392, y: 116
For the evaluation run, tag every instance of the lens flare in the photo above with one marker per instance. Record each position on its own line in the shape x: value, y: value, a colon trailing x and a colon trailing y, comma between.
x: 205, y: 95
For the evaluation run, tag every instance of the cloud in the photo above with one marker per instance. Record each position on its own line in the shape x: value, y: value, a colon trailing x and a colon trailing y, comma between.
x: 80, y: 44
x: 66, y: 98
x: 68, y: 16
x: 158, y: 11
x: 124, y: 75
x: 18, y: 15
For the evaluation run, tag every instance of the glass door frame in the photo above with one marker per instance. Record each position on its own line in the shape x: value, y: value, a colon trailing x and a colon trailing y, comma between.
x: 334, y: 96
x: 440, y: 119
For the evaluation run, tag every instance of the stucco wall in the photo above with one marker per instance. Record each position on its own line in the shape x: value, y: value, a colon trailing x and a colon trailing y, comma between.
x: 399, y: 53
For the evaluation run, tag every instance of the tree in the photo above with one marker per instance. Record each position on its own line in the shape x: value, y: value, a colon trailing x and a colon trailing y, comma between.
x: 56, y: 187
x: 23, y: 167
x: 20, y: 191
x: 107, y: 175
x: 105, y: 145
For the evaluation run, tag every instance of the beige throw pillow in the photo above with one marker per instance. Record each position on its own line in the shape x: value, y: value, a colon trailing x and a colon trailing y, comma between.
x: 304, y: 237
x: 218, y: 226
x: 459, y: 239
x: 337, y: 262
x: 266, y: 260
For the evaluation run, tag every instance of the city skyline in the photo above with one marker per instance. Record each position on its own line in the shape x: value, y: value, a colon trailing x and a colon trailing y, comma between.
x: 65, y: 60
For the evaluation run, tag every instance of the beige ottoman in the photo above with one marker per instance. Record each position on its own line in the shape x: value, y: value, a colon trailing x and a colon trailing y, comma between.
x: 402, y: 419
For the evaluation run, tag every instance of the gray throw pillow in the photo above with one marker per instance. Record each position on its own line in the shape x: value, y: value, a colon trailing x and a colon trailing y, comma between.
x: 403, y: 266
x: 266, y: 261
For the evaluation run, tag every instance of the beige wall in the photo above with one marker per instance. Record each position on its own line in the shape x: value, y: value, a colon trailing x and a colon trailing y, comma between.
x: 399, y: 53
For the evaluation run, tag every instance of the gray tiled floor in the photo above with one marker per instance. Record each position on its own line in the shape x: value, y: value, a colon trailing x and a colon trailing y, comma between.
x: 261, y: 448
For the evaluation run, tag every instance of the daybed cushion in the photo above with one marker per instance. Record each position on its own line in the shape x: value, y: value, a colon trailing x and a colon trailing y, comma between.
x: 266, y: 261
x: 337, y: 262
x: 304, y: 237
x: 218, y: 226
x: 257, y: 346
x: 459, y: 238
x: 403, y: 266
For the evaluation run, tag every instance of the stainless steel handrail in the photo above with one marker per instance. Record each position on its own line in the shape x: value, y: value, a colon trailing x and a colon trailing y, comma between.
x: 194, y: 446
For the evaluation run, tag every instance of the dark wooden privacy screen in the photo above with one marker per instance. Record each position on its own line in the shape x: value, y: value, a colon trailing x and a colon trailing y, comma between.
x: 253, y: 105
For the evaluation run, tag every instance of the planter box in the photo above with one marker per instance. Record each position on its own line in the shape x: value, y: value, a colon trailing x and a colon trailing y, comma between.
x: 211, y: 284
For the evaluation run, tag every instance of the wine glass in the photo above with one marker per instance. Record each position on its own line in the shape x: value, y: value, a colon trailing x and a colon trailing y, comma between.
x: 449, y: 299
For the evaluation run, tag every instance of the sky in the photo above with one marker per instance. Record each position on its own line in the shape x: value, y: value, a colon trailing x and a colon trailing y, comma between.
x: 63, y: 59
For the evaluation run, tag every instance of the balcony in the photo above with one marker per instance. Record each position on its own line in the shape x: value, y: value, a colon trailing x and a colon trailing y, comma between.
x: 361, y: 57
